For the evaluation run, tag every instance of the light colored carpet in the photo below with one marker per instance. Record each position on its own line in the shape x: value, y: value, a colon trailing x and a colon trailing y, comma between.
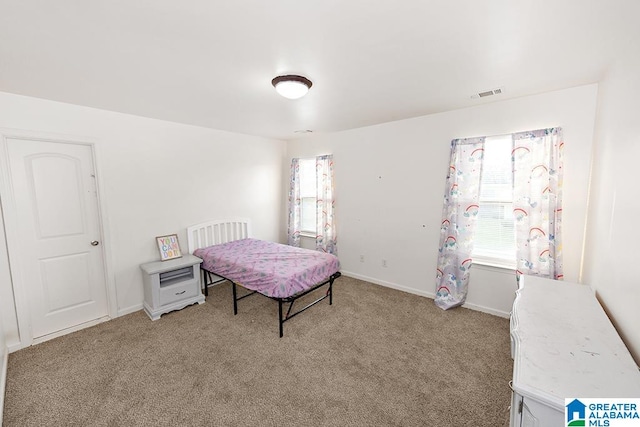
x: 376, y: 357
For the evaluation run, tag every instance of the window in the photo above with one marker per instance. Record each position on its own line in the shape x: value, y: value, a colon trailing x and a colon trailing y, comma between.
x: 494, y: 241
x: 308, y: 196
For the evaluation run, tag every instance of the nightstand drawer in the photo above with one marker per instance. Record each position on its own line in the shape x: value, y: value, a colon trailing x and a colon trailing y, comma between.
x: 178, y: 292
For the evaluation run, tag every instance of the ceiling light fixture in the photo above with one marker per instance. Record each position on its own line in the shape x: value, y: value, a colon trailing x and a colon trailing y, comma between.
x: 292, y: 86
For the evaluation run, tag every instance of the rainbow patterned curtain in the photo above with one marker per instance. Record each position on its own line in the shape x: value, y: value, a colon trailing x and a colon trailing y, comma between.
x: 326, y: 237
x: 293, y: 228
x: 537, y: 201
x: 458, y: 221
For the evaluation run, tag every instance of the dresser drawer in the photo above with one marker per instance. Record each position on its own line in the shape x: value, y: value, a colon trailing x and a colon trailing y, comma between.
x: 178, y: 292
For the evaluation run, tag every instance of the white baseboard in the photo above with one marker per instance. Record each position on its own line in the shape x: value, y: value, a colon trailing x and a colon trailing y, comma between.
x: 431, y: 295
x: 487, y: 310
x: 390, y: 285
x: 17, y: 346
x: 129, y: 310
x: 3, y: 379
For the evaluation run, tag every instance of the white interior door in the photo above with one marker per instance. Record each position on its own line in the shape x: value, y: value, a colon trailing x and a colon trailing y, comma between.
x: 59, y: 252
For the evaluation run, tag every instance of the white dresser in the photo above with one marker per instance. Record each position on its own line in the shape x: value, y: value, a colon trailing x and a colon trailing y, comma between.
x: 563, y: 346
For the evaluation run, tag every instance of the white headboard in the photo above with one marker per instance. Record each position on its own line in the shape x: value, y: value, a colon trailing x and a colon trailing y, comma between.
x: 217, y: 231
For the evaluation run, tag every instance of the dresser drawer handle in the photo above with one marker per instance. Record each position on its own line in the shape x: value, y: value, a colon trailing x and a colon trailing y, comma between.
x: 180, y: 293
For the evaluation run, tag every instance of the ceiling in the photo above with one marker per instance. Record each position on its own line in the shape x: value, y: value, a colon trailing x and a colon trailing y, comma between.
x: 210, y: 62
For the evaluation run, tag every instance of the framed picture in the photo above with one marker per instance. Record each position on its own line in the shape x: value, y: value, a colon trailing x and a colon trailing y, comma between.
x: 169, y: 247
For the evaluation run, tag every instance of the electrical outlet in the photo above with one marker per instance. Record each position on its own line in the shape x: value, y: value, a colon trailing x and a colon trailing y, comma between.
x: 384, y: 263
x: 361, y: 258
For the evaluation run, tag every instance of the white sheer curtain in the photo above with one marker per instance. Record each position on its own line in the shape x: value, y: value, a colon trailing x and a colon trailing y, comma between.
x: 458, y: 222
x: 537, y: 201
x: 293, y: 229
x: 536, y: 159
x: 326, y: 238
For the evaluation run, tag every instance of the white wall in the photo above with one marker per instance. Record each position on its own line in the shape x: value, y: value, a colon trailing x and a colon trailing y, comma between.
x: 613, y: 240
x: 390, y: 182
x: 155, y: 178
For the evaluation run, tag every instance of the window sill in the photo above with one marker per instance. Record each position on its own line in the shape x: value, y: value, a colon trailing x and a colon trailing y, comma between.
x: 308, y: 234
x: 495, y: 263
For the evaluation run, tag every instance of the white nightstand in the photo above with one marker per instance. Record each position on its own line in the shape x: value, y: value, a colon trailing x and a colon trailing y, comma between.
x: 171, y: 285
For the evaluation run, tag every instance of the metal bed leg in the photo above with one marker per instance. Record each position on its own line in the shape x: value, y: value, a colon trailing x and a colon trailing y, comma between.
x: 331, y: 292
x: 280, y: 318
x: 206, y: 275
x: 235, y: 299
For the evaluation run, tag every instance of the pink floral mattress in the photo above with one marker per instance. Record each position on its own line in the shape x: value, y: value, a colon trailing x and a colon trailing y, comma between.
x: 272, y: 269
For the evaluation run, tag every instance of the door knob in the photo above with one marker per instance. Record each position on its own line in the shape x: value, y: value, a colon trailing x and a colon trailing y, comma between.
x: 95, y: 243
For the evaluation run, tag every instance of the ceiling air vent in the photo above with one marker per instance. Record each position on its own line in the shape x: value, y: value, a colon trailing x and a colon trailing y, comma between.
x: 484, y: 94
